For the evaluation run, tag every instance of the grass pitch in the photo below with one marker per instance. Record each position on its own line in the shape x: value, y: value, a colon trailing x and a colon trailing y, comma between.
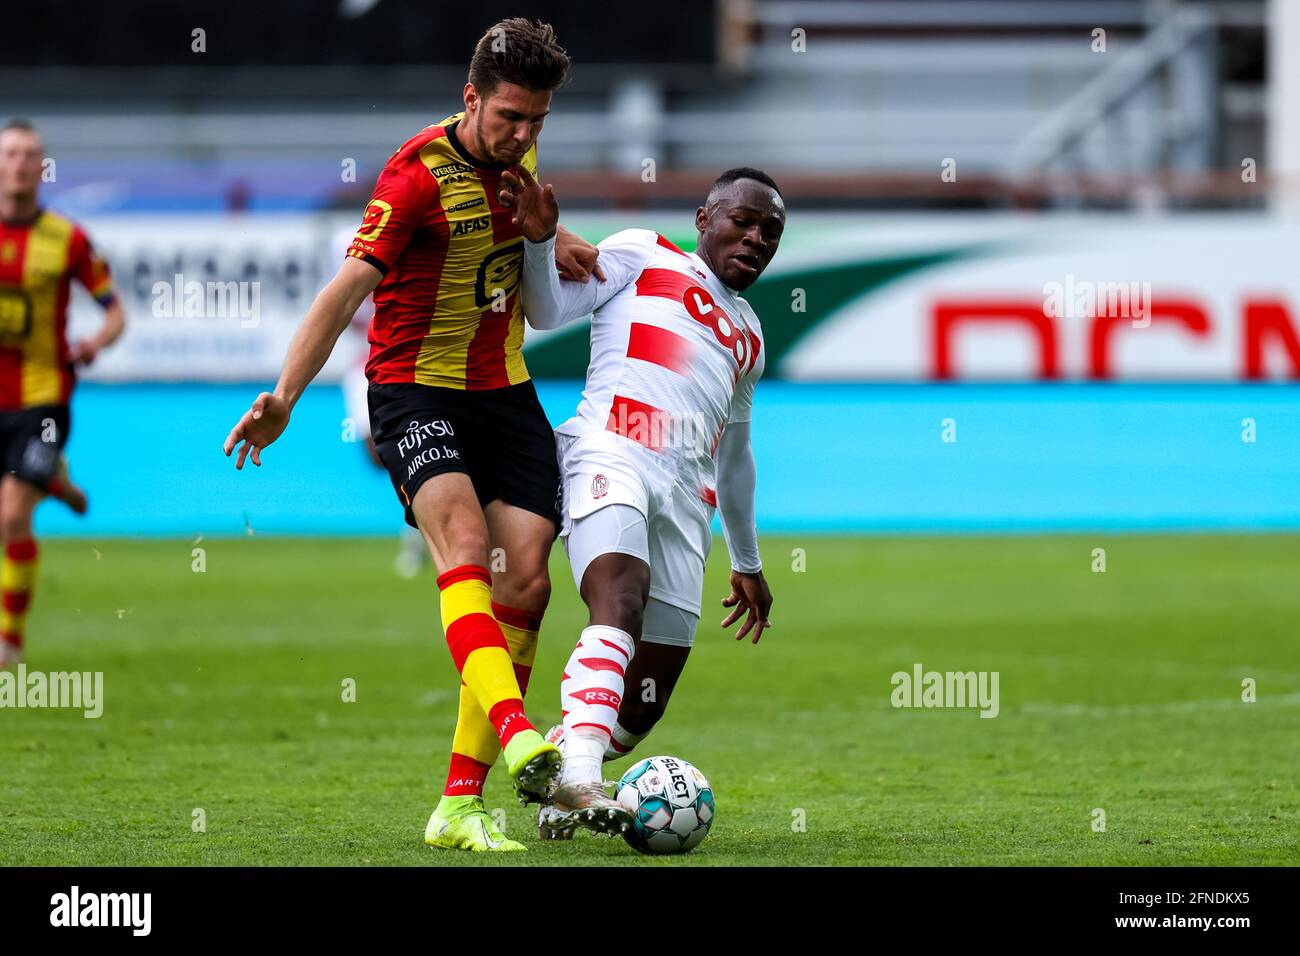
x: 1119, y: 691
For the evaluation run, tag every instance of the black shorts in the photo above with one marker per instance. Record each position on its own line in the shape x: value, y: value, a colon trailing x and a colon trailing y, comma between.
x: 499, y: 437
x: 32, y: 441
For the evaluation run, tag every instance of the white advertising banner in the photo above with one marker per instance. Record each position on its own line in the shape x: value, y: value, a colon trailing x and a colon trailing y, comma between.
x: 211, y: 297
x: 892, y: 298
x: 1197, y: 298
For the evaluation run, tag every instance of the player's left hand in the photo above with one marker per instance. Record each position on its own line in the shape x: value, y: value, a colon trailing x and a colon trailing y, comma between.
x: 537, y: 214
x: 83, y: 353
x: 748, y: 593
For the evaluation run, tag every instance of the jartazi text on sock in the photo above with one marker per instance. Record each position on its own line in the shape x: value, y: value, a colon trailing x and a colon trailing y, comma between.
x: 923, y: 688
x: 103, y: 909
x: 78, y: 690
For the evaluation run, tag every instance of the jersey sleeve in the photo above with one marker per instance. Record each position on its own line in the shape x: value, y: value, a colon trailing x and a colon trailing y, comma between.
x: 90, y: 268
x: 404, y: 198
x: 550, y: 301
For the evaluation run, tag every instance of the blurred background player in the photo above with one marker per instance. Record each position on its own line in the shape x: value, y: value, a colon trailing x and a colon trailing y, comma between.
x: 660, y: 439
x: 411, y: 553
x: 456, y: 419
x: 41, y: 253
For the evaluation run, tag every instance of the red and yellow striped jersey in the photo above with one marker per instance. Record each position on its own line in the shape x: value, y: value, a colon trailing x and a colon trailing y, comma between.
x: 448, y: 310
x: 38, y: 261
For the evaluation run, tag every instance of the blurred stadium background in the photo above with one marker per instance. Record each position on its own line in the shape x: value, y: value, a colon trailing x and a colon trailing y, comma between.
x: 946, y: 163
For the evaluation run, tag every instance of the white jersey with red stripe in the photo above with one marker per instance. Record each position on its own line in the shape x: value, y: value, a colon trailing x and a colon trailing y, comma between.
x: 675, y: 355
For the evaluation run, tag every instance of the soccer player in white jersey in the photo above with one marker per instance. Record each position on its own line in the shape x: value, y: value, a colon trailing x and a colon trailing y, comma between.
x: 660, y: 439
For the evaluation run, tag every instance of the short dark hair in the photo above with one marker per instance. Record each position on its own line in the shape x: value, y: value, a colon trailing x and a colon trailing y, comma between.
x: 519, y: 51
x: 744, y: 172
x: 19, y: 123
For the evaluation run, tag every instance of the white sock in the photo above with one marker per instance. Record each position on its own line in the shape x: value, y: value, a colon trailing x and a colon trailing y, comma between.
x: 582, y: 758
x: 590, y: 694
x: 622, y: 742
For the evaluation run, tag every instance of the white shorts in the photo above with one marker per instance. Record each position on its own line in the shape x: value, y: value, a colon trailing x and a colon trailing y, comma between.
x: 595, y: 473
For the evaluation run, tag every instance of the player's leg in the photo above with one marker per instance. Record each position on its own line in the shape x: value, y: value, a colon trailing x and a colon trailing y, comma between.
x: 610, y: 557
x: 680, y: 541
x: 449, y: 517
x: 614, y: 588
x: 516, y: 478
x: 609, y: 552
x: 522, y: 515
x: 667, y: 633
x: 63, y: 488
x: 666, y: 637
x: 520, y: 591
x: 447, y: 511
x: 521, y: 582
x: 520, y: 542
x: 421, y: 434
x: 35, y: 449
x: 18, y: 500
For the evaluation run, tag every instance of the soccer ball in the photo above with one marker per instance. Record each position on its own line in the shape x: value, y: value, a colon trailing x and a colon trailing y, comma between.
x: 671, y: 802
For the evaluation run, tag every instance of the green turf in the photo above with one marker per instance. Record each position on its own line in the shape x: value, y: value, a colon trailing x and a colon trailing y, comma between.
x: 1119, y: 691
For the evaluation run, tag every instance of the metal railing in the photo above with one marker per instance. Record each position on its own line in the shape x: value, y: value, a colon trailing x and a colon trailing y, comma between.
x: 1157, y: 102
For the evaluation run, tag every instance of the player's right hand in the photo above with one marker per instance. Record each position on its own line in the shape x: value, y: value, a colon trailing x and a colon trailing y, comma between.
x: 262, y: 424
x: 536, y: 212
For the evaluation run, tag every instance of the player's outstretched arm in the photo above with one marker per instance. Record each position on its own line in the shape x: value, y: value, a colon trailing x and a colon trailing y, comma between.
x: 737, y: 478
x: 91, y: 271
x: 548, y: 301
x: 87, y: 350
x: 312, y: 344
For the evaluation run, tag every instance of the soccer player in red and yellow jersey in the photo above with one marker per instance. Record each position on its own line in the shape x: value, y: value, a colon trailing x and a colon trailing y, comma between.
x: 41, y: 253
x: 453, y: 413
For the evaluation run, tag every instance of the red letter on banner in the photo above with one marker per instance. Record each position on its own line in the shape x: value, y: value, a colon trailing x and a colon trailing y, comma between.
x: 949, y: 314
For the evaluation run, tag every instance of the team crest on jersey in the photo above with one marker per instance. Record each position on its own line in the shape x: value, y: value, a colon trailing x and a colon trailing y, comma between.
x: 15, y: 312
x: 599, y: 486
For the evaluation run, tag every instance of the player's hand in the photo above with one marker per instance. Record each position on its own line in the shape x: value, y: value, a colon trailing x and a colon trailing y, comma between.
x: 260, y: 425
x: 748, y: 593
x: 83, y: 353
x: 537, y: 214
x: 575, y: 257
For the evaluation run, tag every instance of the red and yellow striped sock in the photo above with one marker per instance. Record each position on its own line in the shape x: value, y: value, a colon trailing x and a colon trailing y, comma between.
x: 478, y: 648
x: 475, y: 746
x: 521, y: 629
x: 17, y: 578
